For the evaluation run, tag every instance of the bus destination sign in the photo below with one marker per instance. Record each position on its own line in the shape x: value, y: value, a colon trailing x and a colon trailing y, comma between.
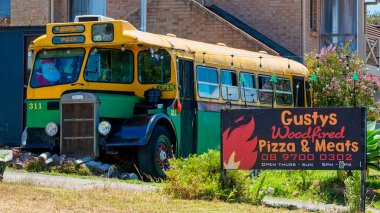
x: 68, y: 39
x: 68, y: 29
x: 293, y: 138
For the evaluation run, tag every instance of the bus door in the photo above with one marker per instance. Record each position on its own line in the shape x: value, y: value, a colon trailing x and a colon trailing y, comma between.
x: 186, y: 96
x: 298, y: 91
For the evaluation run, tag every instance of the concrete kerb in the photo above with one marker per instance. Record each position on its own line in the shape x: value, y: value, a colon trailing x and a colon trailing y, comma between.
x: 313, y: 207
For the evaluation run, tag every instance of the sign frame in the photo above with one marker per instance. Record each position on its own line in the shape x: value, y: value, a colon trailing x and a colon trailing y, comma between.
x: 363, y: 124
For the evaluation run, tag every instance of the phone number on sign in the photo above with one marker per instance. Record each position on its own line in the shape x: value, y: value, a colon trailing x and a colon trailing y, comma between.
x: 306, y: 157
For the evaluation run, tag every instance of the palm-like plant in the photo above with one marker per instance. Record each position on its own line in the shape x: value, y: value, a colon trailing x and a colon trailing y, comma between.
x: 373, y: 149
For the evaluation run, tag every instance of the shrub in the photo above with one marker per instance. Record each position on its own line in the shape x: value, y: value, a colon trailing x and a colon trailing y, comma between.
x: 198, y: 177
x: 352, y: 191
x: 334, y: 86
x: 35, y: 166
x: 69, y: 168
x: 373, y: 18
x: 373, y: 149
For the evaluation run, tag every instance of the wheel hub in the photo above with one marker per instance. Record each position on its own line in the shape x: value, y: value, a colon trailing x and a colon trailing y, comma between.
x: 162, y: 155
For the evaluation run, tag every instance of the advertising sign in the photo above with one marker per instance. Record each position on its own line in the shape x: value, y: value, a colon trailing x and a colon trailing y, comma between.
x: 293, y: 138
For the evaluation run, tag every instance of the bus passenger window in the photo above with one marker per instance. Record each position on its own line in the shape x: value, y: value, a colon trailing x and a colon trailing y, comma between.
x: 265, y: 89
x: 283, y: 91
x: 308, y: 93
x: 208, y: 84
x: 154, y: 68
x: 248, y: 87
x: 230, y: 90
x: 109, y: 65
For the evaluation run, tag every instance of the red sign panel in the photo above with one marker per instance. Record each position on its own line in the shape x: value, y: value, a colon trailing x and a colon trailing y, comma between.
x: 293, y: 138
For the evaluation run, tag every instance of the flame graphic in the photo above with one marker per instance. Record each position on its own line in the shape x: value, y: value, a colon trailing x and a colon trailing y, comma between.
x: 239, y: 145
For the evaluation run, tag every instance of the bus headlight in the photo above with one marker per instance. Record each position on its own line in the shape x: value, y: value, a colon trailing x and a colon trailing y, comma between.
x: 104, y: 128
x: 51, y: 129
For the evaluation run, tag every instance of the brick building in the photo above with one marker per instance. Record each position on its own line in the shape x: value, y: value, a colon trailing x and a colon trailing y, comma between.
x: 287, y: 27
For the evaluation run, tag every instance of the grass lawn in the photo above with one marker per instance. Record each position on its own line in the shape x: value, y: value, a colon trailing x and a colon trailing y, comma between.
x: 18, y: 197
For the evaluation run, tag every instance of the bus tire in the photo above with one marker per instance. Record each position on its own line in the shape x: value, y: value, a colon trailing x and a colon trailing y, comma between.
x: 153, y: 157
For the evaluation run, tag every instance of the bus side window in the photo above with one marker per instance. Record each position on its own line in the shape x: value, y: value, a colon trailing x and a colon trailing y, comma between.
x: 230, y: 90
x: 283, y: 91
x: 92, y: 71
x: 208, y: 84
x: 265, y: 89
x: 308, y: 93
x: 248, y: 87
x: 154, y: 68
x: 109, y: 65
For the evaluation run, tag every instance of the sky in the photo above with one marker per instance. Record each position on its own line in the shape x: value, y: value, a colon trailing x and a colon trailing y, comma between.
x: 373, y: 8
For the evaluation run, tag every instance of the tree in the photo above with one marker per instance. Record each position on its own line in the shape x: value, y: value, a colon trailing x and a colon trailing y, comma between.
x: 373, y: 18
x: 334, y: 68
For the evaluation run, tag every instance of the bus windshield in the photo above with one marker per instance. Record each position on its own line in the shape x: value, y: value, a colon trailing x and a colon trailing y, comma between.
x: 58, y: 66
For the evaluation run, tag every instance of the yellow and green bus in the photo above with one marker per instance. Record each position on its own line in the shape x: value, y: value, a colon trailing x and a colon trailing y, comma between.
x: 102, y: 88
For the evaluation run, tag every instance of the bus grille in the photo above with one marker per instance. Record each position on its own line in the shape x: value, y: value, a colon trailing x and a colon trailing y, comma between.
x: 78, y: 135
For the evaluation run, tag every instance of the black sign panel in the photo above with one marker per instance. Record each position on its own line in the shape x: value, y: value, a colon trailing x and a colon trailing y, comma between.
x: 68, y: 29
x: 293, y: 138
x: 68, y: 39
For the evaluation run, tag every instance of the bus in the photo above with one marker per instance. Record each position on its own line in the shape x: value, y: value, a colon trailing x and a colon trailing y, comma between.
x: 99, y: 87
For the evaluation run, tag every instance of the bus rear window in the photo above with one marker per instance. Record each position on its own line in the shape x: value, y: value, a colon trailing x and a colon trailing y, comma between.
x: 109, y: 65
x: 58, y: 66
x: 154, y: 68
x: 102, y: 32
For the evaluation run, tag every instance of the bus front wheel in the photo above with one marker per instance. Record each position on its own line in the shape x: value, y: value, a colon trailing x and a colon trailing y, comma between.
x: 153, y: 157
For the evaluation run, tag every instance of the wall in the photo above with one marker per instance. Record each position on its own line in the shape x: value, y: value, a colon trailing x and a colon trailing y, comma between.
x: 313, y: 37
x: 31, y: 12
x: 13, y: 74
x: 187, y: 19
x: 280, y: 21
x: 61, y: 10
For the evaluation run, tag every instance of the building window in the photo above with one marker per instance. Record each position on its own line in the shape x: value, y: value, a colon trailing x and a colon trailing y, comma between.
x: 5, y: 9
x: 87, y: 7
x: 313, y: 15
x: 339, y: 23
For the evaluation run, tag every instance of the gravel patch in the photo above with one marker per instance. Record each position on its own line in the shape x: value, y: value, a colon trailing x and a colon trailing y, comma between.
x: 72, y: 182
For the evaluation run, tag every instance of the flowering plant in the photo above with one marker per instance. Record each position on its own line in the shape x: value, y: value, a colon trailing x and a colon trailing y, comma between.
x: 334, y: 68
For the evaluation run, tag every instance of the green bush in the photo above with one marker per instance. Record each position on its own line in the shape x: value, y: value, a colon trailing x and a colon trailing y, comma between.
x: 373, y: 149
x: 198, y: 177
x: 35, y: 166
x: 373, y: 18
x: 352, y: 191
x: 334, y: 68
x: 70, y: 168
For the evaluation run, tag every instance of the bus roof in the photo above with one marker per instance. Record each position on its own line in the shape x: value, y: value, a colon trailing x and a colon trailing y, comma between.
x: 200, y: 51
